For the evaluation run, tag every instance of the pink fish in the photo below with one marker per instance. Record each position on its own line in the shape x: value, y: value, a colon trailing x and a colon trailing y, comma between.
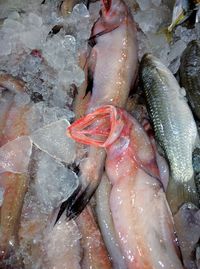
x: 141, y: 215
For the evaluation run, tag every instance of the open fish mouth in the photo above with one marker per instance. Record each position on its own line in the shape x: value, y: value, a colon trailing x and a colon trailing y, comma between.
x: 100, y: 128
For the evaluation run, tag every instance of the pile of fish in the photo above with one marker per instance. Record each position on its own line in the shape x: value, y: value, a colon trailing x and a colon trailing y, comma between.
x: 99, y: 135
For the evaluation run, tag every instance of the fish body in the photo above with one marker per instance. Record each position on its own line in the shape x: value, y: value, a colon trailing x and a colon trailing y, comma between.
x: 189, y: 75
x: 174, y: 127
x: 106, y: 224
x: 112, y: 63
x: 141, y: 216
x: 114, y: 66
x: 15, y: 185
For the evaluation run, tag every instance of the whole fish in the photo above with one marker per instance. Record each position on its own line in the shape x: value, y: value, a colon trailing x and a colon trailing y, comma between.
x: 113, y: 64
x: 15, y: 185
x: 141, y: 215
x: 174, y: 127
x: 189, y: 75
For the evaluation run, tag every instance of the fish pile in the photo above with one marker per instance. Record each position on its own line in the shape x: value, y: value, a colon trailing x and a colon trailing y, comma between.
x: 99, y: 134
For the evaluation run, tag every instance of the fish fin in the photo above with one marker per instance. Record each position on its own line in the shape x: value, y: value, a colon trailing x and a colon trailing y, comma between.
x: 67, y: 203
x: 179, y: 193
x: 76, y: 206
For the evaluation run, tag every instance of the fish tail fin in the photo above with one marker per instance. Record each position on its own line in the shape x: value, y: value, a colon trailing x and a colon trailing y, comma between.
x: 179, y: 192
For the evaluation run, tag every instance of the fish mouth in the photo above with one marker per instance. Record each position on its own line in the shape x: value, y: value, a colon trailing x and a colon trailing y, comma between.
x: 99, y: 128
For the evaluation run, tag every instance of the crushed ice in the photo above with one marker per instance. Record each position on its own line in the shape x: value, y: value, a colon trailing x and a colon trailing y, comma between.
x: 153, y: 17
x: 15, y: 155
x: 52, y: 139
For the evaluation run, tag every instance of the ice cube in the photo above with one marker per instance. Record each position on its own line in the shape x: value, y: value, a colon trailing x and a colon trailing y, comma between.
x: 59, y: 51
x: 174, y: 55
x: 33, y: 19
x: 156, y: 2
x: 53, y: 140
x: 2, y: 190
x: 62, y: 245
x: 144, y: 4
x: 54, y: 182
x: 15, y: 155
x: 40, y: 115
x: 22, y: 99
x: 80, y: 10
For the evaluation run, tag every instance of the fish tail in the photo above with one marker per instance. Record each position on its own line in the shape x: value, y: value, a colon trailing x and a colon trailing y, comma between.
x: 179, y: 192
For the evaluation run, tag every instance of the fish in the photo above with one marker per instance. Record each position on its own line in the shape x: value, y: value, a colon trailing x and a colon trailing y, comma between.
x: 174, y: 126
x: 95, y: 254
x: 187, y: 224
x: 182, y: 10
x: 189, y: 75
x: 11, y: 83
x: 15, y: 185
x: 113, y: 64
x: 140, y: 212
x: 106, y: 224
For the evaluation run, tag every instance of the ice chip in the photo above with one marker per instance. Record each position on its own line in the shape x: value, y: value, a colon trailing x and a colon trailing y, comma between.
x: 53, y: 178
x: 174, y: 56
x: 15, y: 155
x: 144, y: 4
x: 80, y: 10
x: 52, y: 139
x: 1, y: 195
x: 63, y: 244
x: 22, y: 99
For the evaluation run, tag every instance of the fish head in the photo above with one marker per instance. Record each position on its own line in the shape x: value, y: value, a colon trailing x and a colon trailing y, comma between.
x: 113, y: 14
x: 181, y: 12
x: 100, y: 128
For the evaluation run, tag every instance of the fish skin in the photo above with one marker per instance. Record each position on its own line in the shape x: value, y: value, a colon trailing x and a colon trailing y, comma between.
x: 189, y: 75
x: 174, y: 127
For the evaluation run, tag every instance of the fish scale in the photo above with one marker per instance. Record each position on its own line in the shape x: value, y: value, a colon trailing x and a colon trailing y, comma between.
x: 174, y: 126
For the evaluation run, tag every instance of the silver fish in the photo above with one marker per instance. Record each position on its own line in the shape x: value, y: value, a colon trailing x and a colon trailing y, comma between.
x: 174, y: 126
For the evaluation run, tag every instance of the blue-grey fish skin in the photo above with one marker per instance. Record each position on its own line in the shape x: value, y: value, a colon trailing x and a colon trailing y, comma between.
x: 190, y: 75
x: 174, y: 127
